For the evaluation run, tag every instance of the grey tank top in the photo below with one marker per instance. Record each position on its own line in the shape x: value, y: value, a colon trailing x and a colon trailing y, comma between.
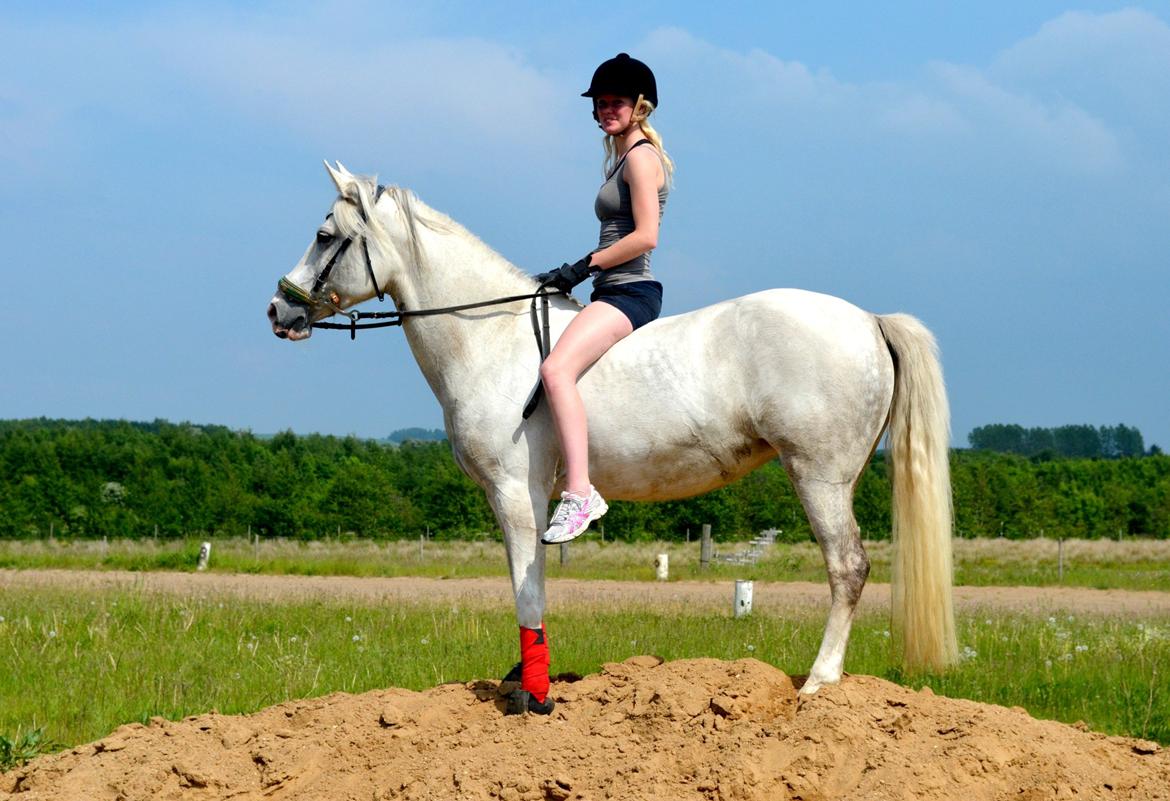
x: 616, y: 213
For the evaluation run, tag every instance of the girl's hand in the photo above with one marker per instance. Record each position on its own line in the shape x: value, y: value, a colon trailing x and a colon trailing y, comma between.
x: 567, y: 275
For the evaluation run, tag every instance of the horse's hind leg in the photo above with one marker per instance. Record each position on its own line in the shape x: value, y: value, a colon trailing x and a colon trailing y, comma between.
x: 830, y: 513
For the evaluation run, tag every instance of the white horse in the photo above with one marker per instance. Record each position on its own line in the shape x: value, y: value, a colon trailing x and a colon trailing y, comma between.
x: 683, y: 406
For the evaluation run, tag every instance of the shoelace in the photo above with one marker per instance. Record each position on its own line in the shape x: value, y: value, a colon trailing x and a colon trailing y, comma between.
x: 565, y: 508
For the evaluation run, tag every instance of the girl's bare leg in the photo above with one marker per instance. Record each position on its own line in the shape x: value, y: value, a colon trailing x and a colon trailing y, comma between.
x: 591, y: 334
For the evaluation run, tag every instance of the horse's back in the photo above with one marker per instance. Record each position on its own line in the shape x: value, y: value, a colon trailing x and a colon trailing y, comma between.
x: 708, y: 395
x: 799, y: 311
x: 800, y: 337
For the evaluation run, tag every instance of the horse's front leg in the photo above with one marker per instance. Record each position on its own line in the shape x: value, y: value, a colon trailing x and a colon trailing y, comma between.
x: 522, y: 511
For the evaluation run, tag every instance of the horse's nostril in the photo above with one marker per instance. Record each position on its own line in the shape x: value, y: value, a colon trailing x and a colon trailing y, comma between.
x: 272, y: 313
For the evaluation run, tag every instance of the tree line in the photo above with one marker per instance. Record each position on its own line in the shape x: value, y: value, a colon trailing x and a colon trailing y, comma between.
x: 121, y: 479
x: 1108, y: 442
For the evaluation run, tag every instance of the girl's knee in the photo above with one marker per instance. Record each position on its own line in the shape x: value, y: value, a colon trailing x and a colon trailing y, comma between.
x: 552, y: 372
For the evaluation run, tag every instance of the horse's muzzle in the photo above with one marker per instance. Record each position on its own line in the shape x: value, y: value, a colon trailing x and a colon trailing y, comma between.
x: 289, y: 320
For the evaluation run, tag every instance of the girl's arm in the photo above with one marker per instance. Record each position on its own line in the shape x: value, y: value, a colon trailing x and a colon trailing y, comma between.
x: 643, y: 172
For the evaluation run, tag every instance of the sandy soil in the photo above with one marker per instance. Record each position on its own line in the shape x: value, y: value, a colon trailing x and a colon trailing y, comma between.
x: 641, y: 729
x: 691, y: 729
x: 768, y: 596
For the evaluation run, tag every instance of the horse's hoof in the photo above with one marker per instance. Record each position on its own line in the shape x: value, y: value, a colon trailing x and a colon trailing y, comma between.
x: 521, y: 701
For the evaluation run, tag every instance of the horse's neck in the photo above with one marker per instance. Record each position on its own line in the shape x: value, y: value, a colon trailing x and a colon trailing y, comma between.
x: 457, y: 268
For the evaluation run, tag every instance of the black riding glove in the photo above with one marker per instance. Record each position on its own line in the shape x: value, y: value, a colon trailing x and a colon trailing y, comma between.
x: 567, y: 275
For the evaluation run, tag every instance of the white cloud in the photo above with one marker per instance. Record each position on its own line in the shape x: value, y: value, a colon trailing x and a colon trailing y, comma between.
x: 961, y: 111
x: 713, y: 73
x: 1048, y: 101
x: 458, y: 101
x: 917, y: 113
x: 423, y: 94
x: 1059, y: 134
x: 1128, y: 51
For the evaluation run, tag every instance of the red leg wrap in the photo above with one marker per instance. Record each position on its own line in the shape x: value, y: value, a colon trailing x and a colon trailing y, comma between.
x: 534, y: 662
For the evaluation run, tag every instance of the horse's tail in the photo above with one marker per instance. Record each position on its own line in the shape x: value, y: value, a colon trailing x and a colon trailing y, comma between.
x: 919, y: 457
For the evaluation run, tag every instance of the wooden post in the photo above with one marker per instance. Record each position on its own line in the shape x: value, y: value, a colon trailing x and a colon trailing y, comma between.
x: 601, y: 527
x: 1060, y: 560
x: 705, y: 547
x: 688, y: 534
x: 564, y: 553
x: 421, y: 540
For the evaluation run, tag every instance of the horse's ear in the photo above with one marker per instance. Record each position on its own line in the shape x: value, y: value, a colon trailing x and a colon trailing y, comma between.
x: 341, y: 177
x: 365, y: 196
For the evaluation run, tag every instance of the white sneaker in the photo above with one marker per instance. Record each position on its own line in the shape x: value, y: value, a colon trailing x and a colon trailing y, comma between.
x: 573, y: 516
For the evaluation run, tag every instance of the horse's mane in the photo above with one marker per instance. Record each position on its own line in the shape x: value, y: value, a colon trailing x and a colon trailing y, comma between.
x: 352, y: 223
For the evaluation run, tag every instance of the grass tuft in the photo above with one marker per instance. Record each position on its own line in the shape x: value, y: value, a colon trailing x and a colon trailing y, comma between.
x: 23, y: 747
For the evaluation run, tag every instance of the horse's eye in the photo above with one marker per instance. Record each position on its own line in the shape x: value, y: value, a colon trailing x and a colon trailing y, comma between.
x: 324, y: 237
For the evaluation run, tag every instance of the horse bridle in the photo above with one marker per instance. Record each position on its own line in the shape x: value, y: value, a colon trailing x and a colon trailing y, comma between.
x: 316, y: 299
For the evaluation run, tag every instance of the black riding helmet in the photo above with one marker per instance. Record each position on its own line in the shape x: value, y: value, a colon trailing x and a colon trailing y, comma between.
x: 625, y: 77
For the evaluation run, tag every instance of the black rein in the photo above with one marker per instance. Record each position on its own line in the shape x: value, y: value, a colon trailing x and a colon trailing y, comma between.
x: 393, y: 318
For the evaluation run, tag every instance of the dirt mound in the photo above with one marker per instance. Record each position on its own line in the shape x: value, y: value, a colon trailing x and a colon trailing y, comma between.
x: 640, y: 729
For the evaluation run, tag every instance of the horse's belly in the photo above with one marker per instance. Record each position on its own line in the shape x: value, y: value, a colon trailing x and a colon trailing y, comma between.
x: 651, y: 460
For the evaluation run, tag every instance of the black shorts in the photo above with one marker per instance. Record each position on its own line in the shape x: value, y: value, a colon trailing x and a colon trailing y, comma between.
x: 640, y: 301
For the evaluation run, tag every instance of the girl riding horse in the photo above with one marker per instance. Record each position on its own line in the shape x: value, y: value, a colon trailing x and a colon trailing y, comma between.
x: 625, y: 295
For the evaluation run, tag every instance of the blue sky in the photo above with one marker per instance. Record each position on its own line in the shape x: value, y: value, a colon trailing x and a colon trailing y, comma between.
x: 999, y: 170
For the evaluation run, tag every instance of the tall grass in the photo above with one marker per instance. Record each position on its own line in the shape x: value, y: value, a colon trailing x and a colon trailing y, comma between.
x: 1132, y: 564
x: 78, y: 663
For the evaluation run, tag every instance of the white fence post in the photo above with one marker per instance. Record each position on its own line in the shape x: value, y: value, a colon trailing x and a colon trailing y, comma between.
x: 204, y: 556
x: 743, y: 598
x: 662, y: 567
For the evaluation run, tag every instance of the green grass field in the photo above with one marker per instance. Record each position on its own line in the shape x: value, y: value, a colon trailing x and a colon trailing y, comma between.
x: 1132, y: 564
x: 78, y: 663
